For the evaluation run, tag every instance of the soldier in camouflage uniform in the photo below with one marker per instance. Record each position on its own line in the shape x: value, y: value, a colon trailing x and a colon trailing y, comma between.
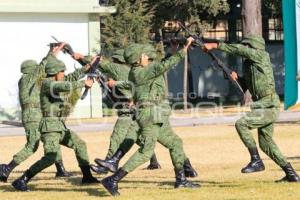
x: 152, y: 115
x: 127, y: 140
x: 52, y: 126
x: 118, y: 71
x: 29, y: 96
x: 259, y: 80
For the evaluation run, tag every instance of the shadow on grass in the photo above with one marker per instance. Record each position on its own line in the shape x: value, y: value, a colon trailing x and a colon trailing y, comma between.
x: 37, y: 188
x: 135, y: 184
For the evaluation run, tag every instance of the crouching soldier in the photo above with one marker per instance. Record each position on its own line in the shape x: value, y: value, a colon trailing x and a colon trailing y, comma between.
x: 259, y: 80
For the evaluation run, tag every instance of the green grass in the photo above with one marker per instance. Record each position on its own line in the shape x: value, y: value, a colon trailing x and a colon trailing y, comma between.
x: 215, y: 151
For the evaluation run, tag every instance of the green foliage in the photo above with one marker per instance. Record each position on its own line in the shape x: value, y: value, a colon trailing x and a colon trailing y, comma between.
x: 129, y: 24
x: 134, y: 19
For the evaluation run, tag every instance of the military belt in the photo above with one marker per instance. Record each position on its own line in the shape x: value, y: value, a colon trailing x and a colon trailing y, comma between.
x: 52, y: 114
x: 30, y: 105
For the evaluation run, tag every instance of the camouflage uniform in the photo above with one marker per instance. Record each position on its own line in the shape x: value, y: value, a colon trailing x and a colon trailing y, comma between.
x: 259, y: 80
x: 52, y: 126
x: 29, y: 96
x: 152, y: 116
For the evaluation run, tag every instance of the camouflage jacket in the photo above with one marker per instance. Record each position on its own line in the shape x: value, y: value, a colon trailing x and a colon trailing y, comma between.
x: 53, y: 99
x: 257, y: 73
x: 29, y: 93
x: 118, y: 72
x: 150, y: 90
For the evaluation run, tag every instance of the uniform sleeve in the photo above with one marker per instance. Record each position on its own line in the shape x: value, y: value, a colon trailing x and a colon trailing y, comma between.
x: 114, y: 71
x: 76, y: 75
x: 158, y: 69
x: 65, y: 86
x: 239, y: 49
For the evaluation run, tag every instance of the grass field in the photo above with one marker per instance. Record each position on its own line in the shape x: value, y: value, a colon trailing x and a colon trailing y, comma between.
x: 215, y: 151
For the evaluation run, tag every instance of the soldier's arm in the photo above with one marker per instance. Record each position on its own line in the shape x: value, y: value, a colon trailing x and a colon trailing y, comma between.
x: 239, y: 49
x: 155, y: 70
x: 79, y: 73
x: 115, y: 71
x: 65, y: 86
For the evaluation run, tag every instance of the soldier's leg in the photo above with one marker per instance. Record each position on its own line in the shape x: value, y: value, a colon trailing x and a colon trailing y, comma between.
x: 112, y: 163
x: 33, y: 138
x: 60, y: 168
x: 149, y: 137
x: 51, y: 146
x: 267, y: 144
x: 71, y: 140
x: 119, y: 138
x: 119, y: 133
x: 171, y: 141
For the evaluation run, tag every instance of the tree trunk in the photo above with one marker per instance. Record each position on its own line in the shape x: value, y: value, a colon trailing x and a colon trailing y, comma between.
x: 251, y: 17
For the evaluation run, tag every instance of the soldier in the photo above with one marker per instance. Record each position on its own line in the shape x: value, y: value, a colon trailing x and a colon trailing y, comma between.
x: 118, y: 70
x: 124, y: 142
x: 152, y: 115
x: 259, y: 79
x: 52, y: 126
x: 29, y: 96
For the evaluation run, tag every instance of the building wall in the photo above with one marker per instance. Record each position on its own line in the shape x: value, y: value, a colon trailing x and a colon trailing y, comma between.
x: 26, y: 36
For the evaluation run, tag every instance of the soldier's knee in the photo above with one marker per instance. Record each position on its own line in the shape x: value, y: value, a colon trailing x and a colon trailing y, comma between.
x: 240, y: 125
x: 50, y: 157
x: 81, y: 144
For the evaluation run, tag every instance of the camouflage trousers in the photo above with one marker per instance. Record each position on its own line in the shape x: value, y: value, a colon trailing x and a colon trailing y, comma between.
x: 262, y: 119
x: 52, y: 142
x: 33, y: 137
x: 121, y: 129
x: 151, y: 134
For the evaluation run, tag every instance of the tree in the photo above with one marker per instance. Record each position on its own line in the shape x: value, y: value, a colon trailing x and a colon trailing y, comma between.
x: 251, y: 17
x: 129, y: 24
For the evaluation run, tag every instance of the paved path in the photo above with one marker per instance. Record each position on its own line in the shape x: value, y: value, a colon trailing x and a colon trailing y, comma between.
x: 285, y: 116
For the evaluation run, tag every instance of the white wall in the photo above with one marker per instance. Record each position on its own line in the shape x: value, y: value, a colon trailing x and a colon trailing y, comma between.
x: 25, y: 36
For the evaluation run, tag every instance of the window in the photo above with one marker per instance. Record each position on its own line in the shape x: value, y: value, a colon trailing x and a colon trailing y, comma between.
x: 218, y: 31
x: 274, y: 31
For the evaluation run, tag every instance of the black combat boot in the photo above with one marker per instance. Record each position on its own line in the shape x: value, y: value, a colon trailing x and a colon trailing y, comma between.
x: 20, y: 184
x: 153, y: 163
x: 5, y: 170
x: 256, y: 164
x: 87, y: 177
x: 111, y: 183
x: 99, y: 169
x: 182, y: 182
x: 112, y: 163
x: 61, y: 171
x: 189, y: 171
x: 290, y: 174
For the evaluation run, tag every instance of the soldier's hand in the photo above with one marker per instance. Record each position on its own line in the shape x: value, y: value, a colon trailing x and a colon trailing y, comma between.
x: 210, y: 46
x: 77, y: 56
x: 95, y: 59
x: 234, y: 75
x: 189, y: 41
x: 57, y: 49
x: 89, y: 82
x: 111, y: 83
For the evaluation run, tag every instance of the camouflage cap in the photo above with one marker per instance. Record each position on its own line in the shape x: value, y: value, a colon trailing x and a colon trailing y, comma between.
x: 133, y: 52
x: 28, y: 66
x: 119, y: 55
x: 53, y: 66
x: 255, y: 41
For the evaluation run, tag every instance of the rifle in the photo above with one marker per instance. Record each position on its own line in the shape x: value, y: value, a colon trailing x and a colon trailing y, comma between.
x: 93, y: 73
x: 101, y: 79
x: 216, y: 61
